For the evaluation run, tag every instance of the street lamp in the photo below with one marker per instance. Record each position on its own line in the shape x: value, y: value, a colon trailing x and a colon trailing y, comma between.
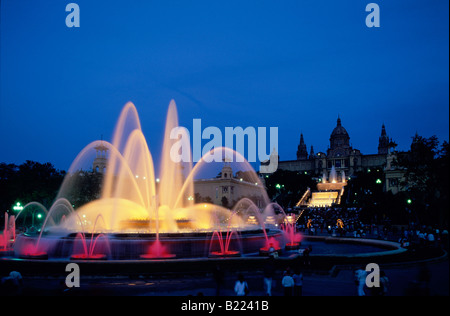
x: 18, y: 207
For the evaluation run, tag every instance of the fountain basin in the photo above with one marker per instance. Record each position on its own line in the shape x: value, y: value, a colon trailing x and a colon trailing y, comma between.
x: 129, y: 246
x: 83, y: 256
x: 292, y: 246
x: 226, y: 254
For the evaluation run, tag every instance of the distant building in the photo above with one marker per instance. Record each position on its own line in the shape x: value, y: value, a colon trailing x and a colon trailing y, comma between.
x: 345, y: 159
x: 228, y: 188
x: 101, y: 159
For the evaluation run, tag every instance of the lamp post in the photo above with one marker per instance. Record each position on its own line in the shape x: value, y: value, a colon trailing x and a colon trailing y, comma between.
x: 17, y: 207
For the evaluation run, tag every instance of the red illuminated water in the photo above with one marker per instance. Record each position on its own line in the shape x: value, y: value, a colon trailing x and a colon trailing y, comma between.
x: 9, y: 234
x: 157, y: 251
x: 88, y: 252
x: 293, y: 236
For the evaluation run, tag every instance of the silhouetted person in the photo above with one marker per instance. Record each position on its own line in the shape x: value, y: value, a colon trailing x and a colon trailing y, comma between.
x: 360, y: 280
x: 12, y: 284
x: 423, y: 278
x: 218, y: 278
x: 288, y: 283
x: 241, y: 286
x: 306, y: 252
x: 269, y: 272
x: 298, y: 283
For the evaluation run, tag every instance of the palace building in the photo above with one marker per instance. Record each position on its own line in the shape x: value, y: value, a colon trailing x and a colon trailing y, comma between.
x: 344, y: 160
x: 230, y: 187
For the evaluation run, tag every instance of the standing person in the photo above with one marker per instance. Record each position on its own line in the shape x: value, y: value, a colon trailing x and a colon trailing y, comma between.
x: 272, y: 251
x: 288, y: 283
x: 306, y: 252
x: 423, y: 279
x: 298, y: 283
x: 430, y: 239
x: 444, y: 238
x: 269, y: 271
x: 241, y: 286
x: 382, y: 289
x: 12, y: 284
x: 218, y: 278
x: 360, y: 280
x: 384, y: 282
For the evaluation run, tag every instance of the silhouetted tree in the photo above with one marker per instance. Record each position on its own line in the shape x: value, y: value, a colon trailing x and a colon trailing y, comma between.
x: 30, y: 181
x: 365, y: 190
x: 83, y: 187
x: 426, y: 180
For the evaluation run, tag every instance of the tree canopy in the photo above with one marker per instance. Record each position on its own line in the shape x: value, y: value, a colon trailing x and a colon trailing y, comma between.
x: 28, y: 182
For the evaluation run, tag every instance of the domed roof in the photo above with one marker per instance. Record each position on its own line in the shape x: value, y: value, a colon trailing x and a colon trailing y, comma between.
x: 339, y: 130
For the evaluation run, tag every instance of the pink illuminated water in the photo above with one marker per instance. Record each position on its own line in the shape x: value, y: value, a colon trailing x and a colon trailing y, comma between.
x: 9, y: 234
x: 88, y: 251
x: 157, y: 251
x: 224, y: 244
x: 294, y: 237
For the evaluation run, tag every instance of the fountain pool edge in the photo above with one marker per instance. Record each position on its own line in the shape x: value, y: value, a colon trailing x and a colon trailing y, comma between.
x: 392, y: 248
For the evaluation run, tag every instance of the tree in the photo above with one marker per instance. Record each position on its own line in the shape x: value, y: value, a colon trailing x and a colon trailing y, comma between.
x: 365, y: 190
x: 426, y: 180
x: 199, y: 199
x: 28, y: 182
x: 8, y: 186
x: 82, y: 187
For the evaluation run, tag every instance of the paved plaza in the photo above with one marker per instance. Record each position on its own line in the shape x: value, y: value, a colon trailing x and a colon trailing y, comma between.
x: 403, y: 280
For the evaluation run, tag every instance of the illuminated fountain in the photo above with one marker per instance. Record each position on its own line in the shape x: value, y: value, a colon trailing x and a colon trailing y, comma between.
x: 8, y: 235
x: 94, y: 248
x: 224, y: 244
x: 144, y: 216
x: 294, y: 237
x: 333, y: 176
x: 329, y: 191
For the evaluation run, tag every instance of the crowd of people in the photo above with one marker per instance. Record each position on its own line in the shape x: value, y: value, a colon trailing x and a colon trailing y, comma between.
x: 346, y: 222
x: 333, y: 220
x: 291, y: 281
x: 423, y: 236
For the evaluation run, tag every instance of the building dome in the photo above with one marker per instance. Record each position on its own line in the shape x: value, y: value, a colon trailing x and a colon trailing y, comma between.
x: 339, y: 140
x: 339, y: 130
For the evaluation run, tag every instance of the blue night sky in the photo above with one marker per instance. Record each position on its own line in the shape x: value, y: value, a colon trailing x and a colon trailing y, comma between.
x: 295, y: 65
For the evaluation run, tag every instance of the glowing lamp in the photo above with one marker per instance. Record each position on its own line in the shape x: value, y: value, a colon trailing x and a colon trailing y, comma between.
x: 18, y: 207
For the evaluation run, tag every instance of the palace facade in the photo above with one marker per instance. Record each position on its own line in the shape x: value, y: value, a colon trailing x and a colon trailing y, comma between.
x: 345, y: 159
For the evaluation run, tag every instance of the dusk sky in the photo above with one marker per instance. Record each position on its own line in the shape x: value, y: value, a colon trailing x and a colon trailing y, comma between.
x: 295, y: 65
